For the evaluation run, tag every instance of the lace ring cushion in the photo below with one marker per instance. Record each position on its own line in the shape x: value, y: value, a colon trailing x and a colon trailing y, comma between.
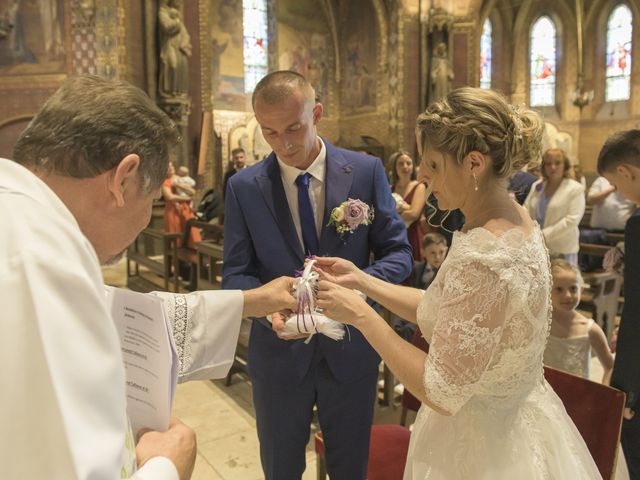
x: 486, y: 317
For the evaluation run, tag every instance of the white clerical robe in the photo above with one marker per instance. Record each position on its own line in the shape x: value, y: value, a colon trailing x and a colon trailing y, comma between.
x: 62, y: 386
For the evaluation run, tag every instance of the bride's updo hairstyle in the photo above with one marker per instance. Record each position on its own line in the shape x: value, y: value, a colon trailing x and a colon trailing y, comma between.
x: 474, y: 119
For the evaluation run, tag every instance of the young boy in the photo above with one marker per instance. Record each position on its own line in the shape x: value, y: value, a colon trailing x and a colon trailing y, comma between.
x: 434, y: 250
x: 619, y: 162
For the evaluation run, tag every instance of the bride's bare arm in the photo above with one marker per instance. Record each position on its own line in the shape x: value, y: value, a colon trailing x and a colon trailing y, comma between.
x: 401, y: 300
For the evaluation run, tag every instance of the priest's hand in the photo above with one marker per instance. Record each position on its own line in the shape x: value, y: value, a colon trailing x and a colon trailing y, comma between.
x: 275, y: 296
x: 178, y: 444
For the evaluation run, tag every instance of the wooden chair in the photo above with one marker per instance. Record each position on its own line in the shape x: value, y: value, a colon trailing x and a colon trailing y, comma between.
x: 601, y: 298
x: 596, y: 410
x: 388, y: 449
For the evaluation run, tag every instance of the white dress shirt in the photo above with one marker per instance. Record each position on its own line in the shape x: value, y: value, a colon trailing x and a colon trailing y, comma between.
x: 63, y: 402
x: 613, y: 212
x: 317, y: 170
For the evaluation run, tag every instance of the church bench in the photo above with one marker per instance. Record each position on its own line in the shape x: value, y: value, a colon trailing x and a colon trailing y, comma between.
x: 140, y: 253
x: 594, y: 249
x: 601, y: 298
x: 186, y: 252
x: 209, y: 265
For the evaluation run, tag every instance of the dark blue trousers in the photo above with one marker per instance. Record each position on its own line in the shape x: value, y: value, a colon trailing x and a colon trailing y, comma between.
x: 345, y: 412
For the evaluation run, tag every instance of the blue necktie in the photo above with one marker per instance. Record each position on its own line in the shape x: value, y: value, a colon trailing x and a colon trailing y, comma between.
x: 307, y: 218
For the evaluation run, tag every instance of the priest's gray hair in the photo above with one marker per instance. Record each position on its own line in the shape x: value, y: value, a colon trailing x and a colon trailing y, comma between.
x: 90, y: 124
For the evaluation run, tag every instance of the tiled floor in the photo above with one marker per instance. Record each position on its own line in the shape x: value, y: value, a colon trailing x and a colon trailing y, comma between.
x: 224, y: 420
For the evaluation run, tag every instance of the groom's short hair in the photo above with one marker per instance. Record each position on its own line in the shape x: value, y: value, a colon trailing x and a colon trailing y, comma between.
x: 276, y: 87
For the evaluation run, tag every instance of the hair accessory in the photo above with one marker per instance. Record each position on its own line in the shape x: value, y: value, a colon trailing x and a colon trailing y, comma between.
x: 517, y: 122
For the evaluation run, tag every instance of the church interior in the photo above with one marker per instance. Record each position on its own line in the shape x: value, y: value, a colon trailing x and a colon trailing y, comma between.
x: 375, y: 66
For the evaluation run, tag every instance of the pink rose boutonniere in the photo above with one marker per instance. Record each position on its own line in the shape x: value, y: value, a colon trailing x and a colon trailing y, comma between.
x: 350, y: 215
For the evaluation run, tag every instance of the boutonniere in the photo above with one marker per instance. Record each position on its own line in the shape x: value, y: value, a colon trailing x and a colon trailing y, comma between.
x: 350, y: 215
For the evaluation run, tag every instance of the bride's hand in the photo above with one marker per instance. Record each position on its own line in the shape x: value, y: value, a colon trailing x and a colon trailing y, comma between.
x: 340, y: 271
x: 342, y: 304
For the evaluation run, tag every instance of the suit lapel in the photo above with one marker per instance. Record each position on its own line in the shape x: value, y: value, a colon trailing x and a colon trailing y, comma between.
x: 337, y: 186
x: 270, y: 184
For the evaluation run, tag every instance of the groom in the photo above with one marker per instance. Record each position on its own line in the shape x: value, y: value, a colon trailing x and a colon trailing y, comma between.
x: 276, y: 215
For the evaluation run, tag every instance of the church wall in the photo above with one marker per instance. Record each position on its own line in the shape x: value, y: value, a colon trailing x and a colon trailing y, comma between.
x: 305, y: 44
x: 34, y: 61
x: 589, y: 127
x: 364, y: 104
x: 410, y: 106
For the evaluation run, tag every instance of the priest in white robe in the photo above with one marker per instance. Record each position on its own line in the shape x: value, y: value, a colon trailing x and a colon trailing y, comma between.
x: 81, y: 188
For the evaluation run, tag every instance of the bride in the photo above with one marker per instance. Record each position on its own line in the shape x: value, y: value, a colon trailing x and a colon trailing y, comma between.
x: 487, y: 411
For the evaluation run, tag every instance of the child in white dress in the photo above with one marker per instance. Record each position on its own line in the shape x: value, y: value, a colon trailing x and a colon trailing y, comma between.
x: 573, y: 335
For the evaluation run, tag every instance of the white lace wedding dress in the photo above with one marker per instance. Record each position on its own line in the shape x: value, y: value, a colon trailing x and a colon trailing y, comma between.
x: 486, y: 316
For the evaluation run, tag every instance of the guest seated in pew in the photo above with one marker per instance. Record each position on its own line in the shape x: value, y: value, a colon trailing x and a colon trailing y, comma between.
x: 610, y: 209
x: 619, y: 162
x: 81, y: 188
x: 573, y: 335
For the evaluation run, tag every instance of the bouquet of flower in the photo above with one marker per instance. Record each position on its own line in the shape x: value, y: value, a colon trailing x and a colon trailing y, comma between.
x: 308, y: 319
x: 350, y: 215
x: 613, y: 260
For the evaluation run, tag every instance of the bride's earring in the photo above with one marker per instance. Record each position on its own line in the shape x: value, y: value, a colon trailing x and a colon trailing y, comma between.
x: 475, y: 182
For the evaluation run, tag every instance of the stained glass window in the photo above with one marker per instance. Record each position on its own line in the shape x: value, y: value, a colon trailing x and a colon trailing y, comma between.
x: 485, y: 55
x: 256, y: 57
x: 543, y: 63
x: 618, y: 54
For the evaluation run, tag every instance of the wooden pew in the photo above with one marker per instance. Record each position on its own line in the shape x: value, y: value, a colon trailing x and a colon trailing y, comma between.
x: 602, y: 292
x: 139, y: 253
x: 615, y: 238
x: 594, y: 249
x: 209, y: 256
x: 187, y: 253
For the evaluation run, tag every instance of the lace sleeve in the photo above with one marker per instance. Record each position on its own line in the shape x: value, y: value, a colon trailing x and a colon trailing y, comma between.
x: 467, y: 330
x: 205, y: 325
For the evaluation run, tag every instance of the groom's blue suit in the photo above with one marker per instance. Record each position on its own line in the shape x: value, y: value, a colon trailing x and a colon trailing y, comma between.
x: 289, y: 377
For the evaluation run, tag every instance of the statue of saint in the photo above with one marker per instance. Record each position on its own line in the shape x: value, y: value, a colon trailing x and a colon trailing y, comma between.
x: 441, y: 73
x: 175, y: 50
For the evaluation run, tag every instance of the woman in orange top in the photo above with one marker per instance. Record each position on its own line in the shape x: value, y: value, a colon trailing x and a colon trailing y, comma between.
x: 177, y: 208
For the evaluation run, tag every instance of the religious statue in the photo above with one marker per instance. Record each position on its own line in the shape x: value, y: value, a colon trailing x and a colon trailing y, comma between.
x: 175, y: 50
x: 441, y: 73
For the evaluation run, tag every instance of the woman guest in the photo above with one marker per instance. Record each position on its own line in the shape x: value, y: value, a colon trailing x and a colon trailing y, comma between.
x: 557, y: 202
x: 413, y: 195
x: 487, y: 411
x: 177, y: 208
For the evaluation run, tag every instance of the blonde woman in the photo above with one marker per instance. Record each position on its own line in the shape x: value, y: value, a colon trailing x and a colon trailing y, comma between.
x: 487, y: 410
x: 556, y: 202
